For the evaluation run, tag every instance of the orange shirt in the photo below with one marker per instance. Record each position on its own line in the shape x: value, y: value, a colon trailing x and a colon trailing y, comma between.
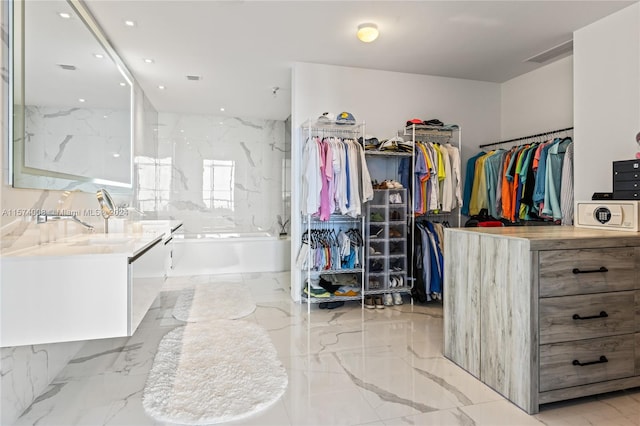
x: 508, y: 203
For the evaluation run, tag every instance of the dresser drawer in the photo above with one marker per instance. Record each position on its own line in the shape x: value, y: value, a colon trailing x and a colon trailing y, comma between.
x: 638, y: 311
x: 586, y: 316
x: 566, y: 272
x: 626, y: 195
x: 626, y: 166
x: 638, y: 354
x: 626, y: 186
x: 582, y: 362
x: 625, y: 176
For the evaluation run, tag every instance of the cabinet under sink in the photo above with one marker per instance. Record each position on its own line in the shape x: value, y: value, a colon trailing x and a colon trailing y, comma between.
x: 49, y: 296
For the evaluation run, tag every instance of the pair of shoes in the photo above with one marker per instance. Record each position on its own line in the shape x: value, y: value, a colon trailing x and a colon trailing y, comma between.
x: 395, y: 198
x: 397, y: 299
x: 347, y: 291
x: 397, y: 265
x: 376, y: 217
x: 394, y: 233
x: 395, y: 215
x: 396, y: 247
x: 390, y: 184
x: 369, y: 302
x: 331, y: 305
x: 375, y: 231
x: 376, y: 266
x: 396, y: 281
x: 377, y: 300
x: 374, y: 284
x: 387, y: 299
x: 373, y: 251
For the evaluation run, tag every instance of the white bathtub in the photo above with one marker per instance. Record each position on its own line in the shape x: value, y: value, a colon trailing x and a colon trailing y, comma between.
x: 229, y: 252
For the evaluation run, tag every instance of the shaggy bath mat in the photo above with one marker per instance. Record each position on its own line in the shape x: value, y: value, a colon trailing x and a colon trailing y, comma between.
x: 213, y: 372
x: 213, y: 301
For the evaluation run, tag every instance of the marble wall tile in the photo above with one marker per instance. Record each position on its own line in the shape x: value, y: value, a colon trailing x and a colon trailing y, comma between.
x: 252, y: 152
x: 88, y: 142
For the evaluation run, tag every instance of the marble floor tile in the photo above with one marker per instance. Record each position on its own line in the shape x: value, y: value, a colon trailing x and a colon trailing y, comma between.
x: 349, y: 365
x: 316, y: 374
x: 451, y: 417
x: 499, y: 413
x: 336, y: 407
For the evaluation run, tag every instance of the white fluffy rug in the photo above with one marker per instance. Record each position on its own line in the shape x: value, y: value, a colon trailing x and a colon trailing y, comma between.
x: 213, y: 372
x: 213, y: 301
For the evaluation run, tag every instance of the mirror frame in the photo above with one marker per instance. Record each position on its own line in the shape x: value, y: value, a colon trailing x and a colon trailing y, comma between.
x: 54, y: 180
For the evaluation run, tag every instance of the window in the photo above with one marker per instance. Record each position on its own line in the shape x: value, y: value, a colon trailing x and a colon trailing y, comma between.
x: 154, y: 183
x: 218, y: 183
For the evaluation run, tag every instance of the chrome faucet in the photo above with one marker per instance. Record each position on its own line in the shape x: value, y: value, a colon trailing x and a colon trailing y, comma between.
x: 44, y: 218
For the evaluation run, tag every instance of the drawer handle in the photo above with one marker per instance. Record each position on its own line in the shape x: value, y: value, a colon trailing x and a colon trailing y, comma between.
x: 590, y: 271
x: 602, y: 360
x: 602, y: 314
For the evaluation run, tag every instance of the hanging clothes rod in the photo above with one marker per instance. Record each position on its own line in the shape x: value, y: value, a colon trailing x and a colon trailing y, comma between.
x: 527, y: 137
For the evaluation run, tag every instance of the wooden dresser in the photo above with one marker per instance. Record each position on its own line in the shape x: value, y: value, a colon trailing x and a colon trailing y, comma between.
x: 544, y: 314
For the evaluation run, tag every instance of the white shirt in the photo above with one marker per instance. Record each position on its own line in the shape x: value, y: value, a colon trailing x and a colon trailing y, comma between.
x: 454, y: 158
x: 311, y: 178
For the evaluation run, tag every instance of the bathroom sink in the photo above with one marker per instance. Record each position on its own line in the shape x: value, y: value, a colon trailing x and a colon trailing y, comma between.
x: 102, y: 241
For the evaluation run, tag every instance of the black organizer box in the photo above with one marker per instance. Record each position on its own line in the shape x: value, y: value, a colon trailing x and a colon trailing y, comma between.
x: 626, y: 180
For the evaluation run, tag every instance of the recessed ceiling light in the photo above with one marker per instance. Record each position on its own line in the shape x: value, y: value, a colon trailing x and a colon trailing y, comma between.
x: 367, y: 32
x: 123, y: 84
x: 98, y: 55
x: 81, y: 100
x: 130, y: 23
x: 116, y: 155
x: 161, y: 87
x: 64, y: 15
x: 148, y: 60
x: 222, y: 109
x: 105, y: 116
x: 181, y: 130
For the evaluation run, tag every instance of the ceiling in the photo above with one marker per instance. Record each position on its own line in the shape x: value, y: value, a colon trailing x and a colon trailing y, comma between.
x: 245, y: 49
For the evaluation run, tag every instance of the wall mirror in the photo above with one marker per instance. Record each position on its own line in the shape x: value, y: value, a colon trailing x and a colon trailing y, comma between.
x: 72, y: 101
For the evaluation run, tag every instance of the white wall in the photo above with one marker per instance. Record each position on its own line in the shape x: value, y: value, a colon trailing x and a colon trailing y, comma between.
x: 539, y: 101
x: 607, y: 98
x: 385, y: 101
x: 254, y: 150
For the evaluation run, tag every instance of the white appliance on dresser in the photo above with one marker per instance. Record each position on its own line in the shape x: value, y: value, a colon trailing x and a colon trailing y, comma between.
x: 617, y: 215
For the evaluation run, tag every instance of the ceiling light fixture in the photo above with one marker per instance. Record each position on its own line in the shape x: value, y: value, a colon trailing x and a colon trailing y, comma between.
x: 64, y: 15
x: 81, y: 100
x: 130, y: 23
x: 98, y: 55
x: 222, y: 109
x: 148, y: 60
x: 161, y: 87
x: 123, y: 84
x: 367, y: 32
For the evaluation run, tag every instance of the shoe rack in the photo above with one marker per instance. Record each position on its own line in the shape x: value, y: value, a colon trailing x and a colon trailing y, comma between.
x: 386, y: 242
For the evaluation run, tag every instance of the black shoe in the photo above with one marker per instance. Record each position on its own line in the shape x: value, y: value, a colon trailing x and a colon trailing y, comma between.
x: 331, y: 305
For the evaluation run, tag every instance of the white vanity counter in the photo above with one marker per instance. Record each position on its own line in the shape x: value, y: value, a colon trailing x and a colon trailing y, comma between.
x: 82, y: 287
x: 119, y: 244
